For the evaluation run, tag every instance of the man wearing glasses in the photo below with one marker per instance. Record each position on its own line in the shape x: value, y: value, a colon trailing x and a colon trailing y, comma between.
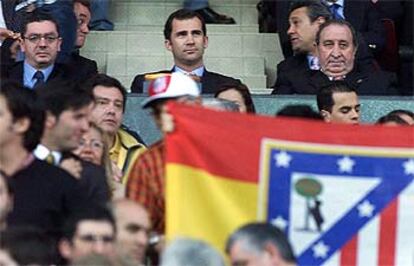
x: 40, y: 42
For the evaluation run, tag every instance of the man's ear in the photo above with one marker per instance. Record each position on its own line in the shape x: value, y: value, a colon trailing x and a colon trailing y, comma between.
x: 274, y: 254
x: 65, y: 249
x: 325, y: 115
x: 21, y: 125
x: 50, y: 120
x: 320, y: 20
x: 167, y: 44
x: 205, y: 42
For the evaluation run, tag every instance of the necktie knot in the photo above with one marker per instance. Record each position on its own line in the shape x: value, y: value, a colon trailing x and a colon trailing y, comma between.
x: 334, y: 8
x: 50, y: 159
x: 40, y: 78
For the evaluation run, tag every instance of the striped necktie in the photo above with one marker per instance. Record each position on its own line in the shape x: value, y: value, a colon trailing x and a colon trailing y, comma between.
x: 40, y: 78
x: 334, y: 8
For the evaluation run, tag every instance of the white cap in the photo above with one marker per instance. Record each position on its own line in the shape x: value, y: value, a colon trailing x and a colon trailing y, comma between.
x: 170, y: 85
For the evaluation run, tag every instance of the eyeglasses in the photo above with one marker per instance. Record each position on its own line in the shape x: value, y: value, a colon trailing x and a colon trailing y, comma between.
x: 89, y: 238
x: 93, y: 144
x: 35, y: 38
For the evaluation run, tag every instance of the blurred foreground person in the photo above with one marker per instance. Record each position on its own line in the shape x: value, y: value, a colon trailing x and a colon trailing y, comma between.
x: 259, y: 244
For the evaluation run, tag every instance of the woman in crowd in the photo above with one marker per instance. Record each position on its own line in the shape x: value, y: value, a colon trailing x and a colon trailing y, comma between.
x: 238, y: 94
x: 94, y: 148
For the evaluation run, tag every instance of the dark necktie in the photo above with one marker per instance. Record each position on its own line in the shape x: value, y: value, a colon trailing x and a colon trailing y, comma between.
x: 334, y: 8
x: 40, y: 78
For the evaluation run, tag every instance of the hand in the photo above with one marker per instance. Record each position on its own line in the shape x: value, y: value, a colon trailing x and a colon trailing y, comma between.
x: 116, y: 172
x: 73, y: 166
x: 5, y: 33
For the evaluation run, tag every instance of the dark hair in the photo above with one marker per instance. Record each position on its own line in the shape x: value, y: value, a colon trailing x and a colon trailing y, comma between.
x: 315, y: 9
x: 392, y: 118
x: 244, y: 92
x: 324, y: 97
x: 28, y: 245
x: 340, y: 23
x: 59, y: 96
x: 85, y: 3
x: 38, y: 16
x: 22, y: 103
x: 90, y: 212
x: 299, y: 110
x: 402, y: 112
x: 182, y: 14
x: 106, y: 81
x: 256, y: 235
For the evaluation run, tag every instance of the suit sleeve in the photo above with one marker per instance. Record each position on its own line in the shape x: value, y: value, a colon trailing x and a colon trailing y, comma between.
x: 282, y: 84
x: 137, y: 85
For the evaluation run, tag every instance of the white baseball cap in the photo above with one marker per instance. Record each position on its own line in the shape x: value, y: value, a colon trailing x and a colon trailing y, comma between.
x: 170, y: 85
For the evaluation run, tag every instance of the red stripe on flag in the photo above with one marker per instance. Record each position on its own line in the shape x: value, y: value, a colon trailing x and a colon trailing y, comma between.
x: 349, y: 252
x: 388, y: 228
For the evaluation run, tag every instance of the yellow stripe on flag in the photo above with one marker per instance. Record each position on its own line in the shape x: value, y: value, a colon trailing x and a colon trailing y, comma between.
x: 205, y: 206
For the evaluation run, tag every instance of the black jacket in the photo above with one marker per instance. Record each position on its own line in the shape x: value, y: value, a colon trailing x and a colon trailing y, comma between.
x: 211, y: 82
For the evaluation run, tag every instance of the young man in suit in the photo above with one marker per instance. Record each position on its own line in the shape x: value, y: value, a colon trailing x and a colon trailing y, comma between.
x: 186, y: 38
x: 68, y: 110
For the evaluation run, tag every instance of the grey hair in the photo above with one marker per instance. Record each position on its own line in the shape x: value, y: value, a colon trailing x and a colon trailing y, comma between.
x: 190, y: 252
x: 255, y: 236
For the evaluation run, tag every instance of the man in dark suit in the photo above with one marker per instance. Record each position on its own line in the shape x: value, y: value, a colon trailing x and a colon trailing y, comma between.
x: 363, y: 16
x: 83, y: 66
x: 336, y: 48
x: 185, y: 36
x: 68, y: 109
x: 40, y: 43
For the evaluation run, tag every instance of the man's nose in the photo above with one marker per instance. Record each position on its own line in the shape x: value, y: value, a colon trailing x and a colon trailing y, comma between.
x: 290, y: 29
x: 336, y: 51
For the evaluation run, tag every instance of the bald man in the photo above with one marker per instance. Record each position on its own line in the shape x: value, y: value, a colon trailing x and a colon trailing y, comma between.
x: 133, y: 228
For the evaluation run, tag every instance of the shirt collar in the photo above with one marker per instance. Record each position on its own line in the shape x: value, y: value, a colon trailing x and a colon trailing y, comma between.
x: 338, y: 2
x: 198, y: 71
x: 41, y: 152
x: 29, y: 71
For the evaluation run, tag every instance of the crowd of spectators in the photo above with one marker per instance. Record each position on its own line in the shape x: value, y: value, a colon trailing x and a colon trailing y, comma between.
x: 77, y: 187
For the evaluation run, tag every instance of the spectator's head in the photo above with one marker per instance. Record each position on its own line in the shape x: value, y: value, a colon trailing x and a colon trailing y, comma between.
x: 305, y: 17
x: 186, y: 37
x: 110, y: 101
x: 133, y: 228
x: 220, y: 105
x: 239, y: 94
x: 6, y: 200
x: 299, y: 111
x: 392, y: 120
x: 337, y: 44
x: 82, y: 10
x: 92, y: 146
x: 29, y: 246
x: 406, y: 115
x: 338, y: 103
x: 259, y: 244
x: 190, y: 252
x: 40, y: 40
x: 67, y: 109
x: 88, y: 231
x: 170, y: 87
x: 21, y: 117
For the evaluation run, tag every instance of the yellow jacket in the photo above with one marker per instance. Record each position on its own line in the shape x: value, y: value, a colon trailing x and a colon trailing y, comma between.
x: 125, y: 151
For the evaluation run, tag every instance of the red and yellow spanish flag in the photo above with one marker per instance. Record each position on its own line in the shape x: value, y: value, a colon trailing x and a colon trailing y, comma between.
x: 213, y: 164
